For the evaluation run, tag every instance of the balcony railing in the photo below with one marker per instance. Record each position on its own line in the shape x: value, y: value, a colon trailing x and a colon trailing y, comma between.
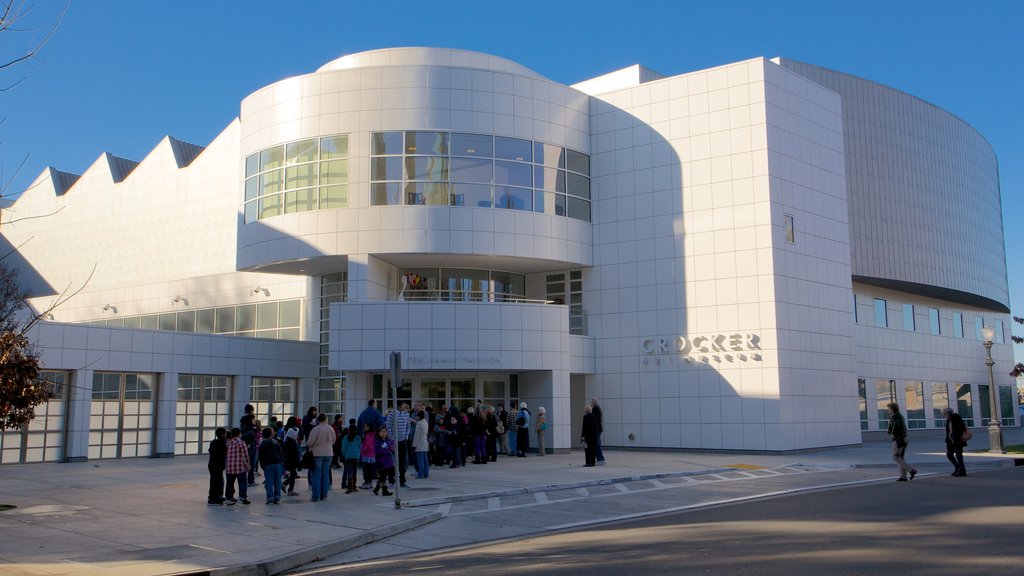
x: 577, y: 316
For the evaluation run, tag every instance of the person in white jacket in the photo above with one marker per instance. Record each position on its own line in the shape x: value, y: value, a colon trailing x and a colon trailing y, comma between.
x: 421, y: 445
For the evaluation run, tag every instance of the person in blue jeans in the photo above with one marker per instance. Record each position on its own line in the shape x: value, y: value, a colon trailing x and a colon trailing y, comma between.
x: 421, y: 444
x: 272, y: 462
x: 321, y: 443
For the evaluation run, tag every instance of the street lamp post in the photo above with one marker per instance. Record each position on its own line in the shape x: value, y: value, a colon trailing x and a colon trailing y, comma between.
x: 995, y: 433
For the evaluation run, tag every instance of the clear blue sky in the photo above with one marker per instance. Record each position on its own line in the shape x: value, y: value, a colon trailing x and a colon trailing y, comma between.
x: 120, y: 75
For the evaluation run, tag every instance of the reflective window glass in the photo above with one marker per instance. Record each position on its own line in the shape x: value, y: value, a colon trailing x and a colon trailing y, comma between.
x: 386, y: 143
x: 300, y: 176
x: 168, y: 321
x: 251, y: 211
x: 433, y: 168
x: 272, y: 158
x: 881, y: 316
x: 908, y: 317
x: 290, y: 313
x: 958, y: 325
x: 151, y: 322
x: 548, y: 155
x: 133, y: 322
x: 578, y: 208
x: 426, y: 143
x: 270, y: 206
x: 386, y: 168
x: 577, y: 162
x: 472, y: 170
x: 245, y: 318
x: 513, y: 173
x: 205, y: 321
x: 472, y: 145
x: 577, y: 185
x: 933, y: 320
x: 266, y: 315
x: 270, y: 182
x: 386, y: 194
x: 549, y: 179
x: 478, y: 195
x: 427, y: 193
x: 301, y: 151
x: 252, y: 188
x: 513, y: 149
x: 513, y: 198
x: 300, y: 200
x: 252, y: 164
x: 186, y: 321
x: 334, y: 197
x: 225, y: 320
x: 334, y: 147
x: 334, y: 172
x: 549, y: 203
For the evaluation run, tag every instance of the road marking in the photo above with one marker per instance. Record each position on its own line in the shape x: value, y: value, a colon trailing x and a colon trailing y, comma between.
x: 541, y: 497
x: 711, y: 503
x: 493, y: 503
x: 445, y: 508
x: 658, y: 483
x: 583, y: 492
x: 622, y: 488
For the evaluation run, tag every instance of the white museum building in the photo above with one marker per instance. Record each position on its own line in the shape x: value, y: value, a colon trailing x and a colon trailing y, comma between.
x: 757, y: 257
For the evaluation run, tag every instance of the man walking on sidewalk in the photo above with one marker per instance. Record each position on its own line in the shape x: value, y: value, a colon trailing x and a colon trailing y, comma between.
x: 898, y: 432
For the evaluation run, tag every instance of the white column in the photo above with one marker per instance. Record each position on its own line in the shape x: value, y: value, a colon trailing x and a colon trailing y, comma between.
x: 79, y: 405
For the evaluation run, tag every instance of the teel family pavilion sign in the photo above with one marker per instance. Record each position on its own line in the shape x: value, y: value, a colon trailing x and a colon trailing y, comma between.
x: 703, y: 349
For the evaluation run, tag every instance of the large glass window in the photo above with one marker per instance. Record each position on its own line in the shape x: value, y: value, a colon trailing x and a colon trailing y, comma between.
x: 914, y: 405
x: 274, y: 397
x: 979, y: 323
x: 1007, y: 404
x: 42, y: 438
x: 330, y: 383
x: 908, y: 318
x: 478, y: 170
x: 958, y: 325
x: 933, y: 321
x: 940, y: 400
x: 299, y: 176
x: 203, y: 405
x: 964, y: 406
x: 280, y: 319
x: 881, y: 314
x: 862, y: 395
x: 460, y: 284
x: 885, y: 392
x: 121, y: 415
x: 1000, y: 336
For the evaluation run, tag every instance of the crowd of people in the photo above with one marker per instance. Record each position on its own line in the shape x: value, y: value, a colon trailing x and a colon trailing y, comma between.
x: 383, y: 446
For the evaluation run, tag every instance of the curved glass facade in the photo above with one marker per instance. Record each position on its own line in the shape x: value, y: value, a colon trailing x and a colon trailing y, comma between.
x: 461, y: 284
x: 460, y: 169
x: 297, y: 177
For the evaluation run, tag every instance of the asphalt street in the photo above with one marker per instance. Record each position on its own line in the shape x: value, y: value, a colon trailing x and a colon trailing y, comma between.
x: 935, y: 525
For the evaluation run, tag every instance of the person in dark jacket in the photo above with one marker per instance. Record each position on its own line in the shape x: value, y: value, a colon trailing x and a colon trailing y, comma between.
x: 272, y: 461
x: 218, y: 459
x: 595, y: 409
x: 292, y: 458
x: 955, y: 442
x: 589, y: 436
x: 898, y: 432
x: 454, y: 438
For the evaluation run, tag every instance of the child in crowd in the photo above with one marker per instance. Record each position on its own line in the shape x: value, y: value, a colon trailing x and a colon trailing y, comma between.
x: 272, y: 462
x: 237, y: 468
x: 455, y: 441
x: 351, y: 444
x: 291, y: 458
x: 384, y: 454
x: 368, y: 455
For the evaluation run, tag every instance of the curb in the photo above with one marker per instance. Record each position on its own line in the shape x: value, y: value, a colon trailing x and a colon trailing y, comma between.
x: 553, y: 487
x: 293, y: 560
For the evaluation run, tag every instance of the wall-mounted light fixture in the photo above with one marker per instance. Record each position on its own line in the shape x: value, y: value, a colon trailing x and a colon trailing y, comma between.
x: 110, y: 308
x: 261, y: 290
x: 179, y: 299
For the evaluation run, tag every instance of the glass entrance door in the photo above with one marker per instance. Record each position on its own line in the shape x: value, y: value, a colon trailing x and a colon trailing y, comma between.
x: 462, y: 390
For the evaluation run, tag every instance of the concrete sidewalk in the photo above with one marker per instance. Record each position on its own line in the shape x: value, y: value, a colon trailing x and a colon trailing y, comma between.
x: 149, y: 517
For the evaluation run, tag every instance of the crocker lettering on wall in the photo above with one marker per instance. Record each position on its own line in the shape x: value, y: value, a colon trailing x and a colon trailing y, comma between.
x: 704, y: 349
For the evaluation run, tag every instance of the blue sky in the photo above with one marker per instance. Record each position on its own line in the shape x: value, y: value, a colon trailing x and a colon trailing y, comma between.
x: 120, y: 75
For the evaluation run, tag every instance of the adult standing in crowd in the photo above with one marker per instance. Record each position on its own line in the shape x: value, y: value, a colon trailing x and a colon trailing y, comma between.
x: 321, y: 443
x: 589, y: 436
x: 492, y: 434
x: 309, y: 421
x: 421, y: 445
x: 542, y: 427
x: 339, y: 431
x: 503, y: 418
x: 370, y: 415
x: 955, y: 442
x: 218, y: 459
x: 522, y: 430
x: 398, y: 431
x: 595, y: 409
x: 247, y: 424
x: 898, y: 432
